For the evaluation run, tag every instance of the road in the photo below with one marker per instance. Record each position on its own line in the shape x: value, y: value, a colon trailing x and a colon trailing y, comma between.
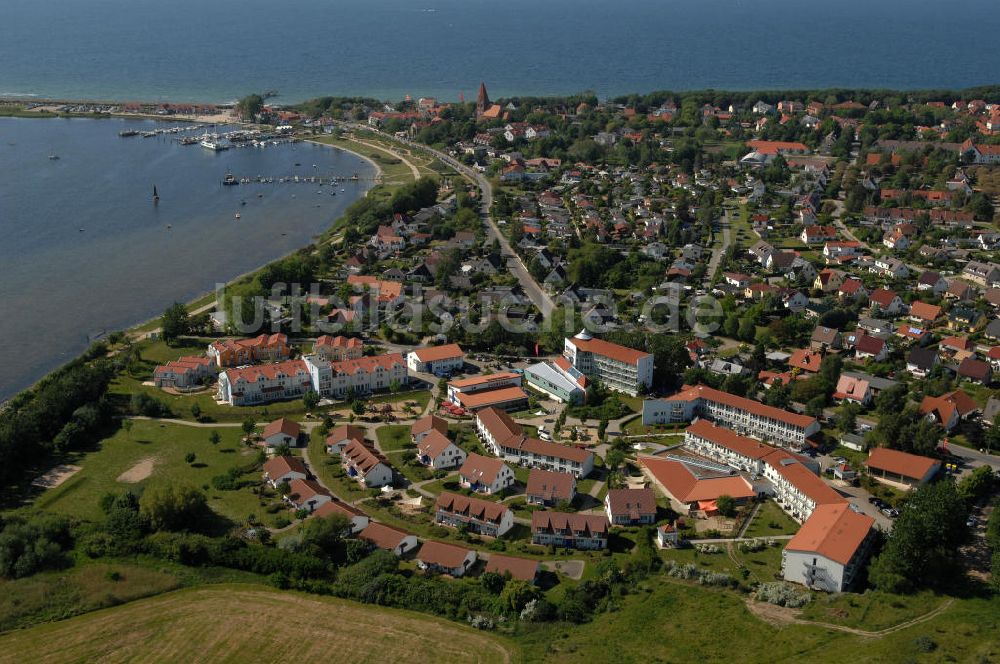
x: 718, y: 253
x: 534, y: 292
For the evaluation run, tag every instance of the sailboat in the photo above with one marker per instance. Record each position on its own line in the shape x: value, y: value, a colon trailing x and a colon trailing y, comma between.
x: 156, y: 196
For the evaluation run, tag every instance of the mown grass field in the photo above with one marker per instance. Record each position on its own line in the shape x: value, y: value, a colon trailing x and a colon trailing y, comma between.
x: 245, y: 623
x: 166, y: 446
x: 771, y: 521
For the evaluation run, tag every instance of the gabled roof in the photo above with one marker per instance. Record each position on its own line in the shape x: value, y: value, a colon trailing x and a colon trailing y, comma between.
x: 428, y: 423
x: 280, y: 466
x: 383, y: 536
x: 805, y: 359
x: 550, y: 485
x: 695, y: 392
x: 438, y: 353
x: 901, y: 463
x: 444, y: 555
x: 345, y: 432
x: 433, y: 444
x: 832, y: 531
x: 594, y: 524
x: 523, y: 569
x: 482, y: 469
x: 283, y: 426
x: 633, y: 503
x: 475, y: 508
x: 924, y: 311
x: 946, y: 405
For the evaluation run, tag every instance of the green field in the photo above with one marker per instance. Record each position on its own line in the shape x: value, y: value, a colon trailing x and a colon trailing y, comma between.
x: 200, y: 625
x: 770, y: 521
x: 159, y: 448
x: 671, y: 621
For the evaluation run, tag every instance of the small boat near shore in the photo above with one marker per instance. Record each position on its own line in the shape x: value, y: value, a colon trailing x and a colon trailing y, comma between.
x: 230, y: 180
x: 127, y: 133
x: 237, y: 217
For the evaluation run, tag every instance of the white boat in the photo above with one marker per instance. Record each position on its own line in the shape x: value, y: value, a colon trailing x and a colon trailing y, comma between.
x: 213, y: 142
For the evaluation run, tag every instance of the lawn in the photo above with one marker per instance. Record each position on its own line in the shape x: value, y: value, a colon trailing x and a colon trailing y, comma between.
x: 771, y: 520
x: 393, y: 437
x: 155, y: 452
x: 199, y: 624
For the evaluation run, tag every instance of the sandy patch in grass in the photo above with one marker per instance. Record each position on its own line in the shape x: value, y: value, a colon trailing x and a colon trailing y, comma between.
x: 56, y: 476
x: 138, y: 472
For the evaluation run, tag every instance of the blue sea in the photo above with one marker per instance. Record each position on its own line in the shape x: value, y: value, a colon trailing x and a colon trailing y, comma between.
x: 83, y: 249
x: 219, y: 50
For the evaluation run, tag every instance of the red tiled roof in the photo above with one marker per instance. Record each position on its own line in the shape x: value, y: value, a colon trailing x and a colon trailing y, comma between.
x: 682, y: 484
x: 503, y: 395
x: 433, y: 444
x: 383, y: 536
x: 608, y: 349
x: 632, y: 502
x: 900, y: 463
x: 833, y: 531
x: 279, y: 466
x: 428, y: 423
x: 523, y: 569
x: 441, y: 554
x: 437, y: 353
x: 479, y: 468
x: 692, y: 393
x: 284, y: 426
x: 546, y: 520
x: 476, y: 508
x: 550, y: 485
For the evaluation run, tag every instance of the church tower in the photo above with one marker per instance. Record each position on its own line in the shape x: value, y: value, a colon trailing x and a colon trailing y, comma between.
x: 482, y: 101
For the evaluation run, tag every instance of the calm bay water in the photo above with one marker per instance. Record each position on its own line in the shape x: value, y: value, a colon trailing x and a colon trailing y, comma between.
x: 60, y: 286
x: 219, y: 50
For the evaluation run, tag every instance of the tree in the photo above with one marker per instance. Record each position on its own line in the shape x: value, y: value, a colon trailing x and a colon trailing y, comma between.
x: 922, y: 550
x: 516, y: 594
x: 127, y: 424
x: 172, y: 506
x: 310, y: 400
x: 249, y: 107
x: 325, y: 536
x: 614, y: 459
x: 726, y: 505
x: 358, y: 407
x: 190, y: 457
x: 196, y: 411
x: 976, y: 485
x: 249, y: 426
x: 174, y: 322
x: 214, y: 438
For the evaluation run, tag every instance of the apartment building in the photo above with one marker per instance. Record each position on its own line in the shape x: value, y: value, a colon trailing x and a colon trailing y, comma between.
x: 264, y: 383
x: 236, y: 352
x: 336, y: 349
x: 484, y: 517
x: 830, y: 549
x: 743, y: 415
x: 361, y: 376
x: 617, y: 367
x: 569, y: 530
x: 502, y: 436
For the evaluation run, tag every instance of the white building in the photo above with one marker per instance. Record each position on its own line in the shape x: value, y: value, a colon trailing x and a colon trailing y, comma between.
x: 360, y: 376
x: 435, y: 451
x: 264, y: 383
x: 743, y: 415
x: 617, y: 367
x: 436, y: 359
x: 502, y: 436
x: 485, y: 474
x: 366, y: 465
x: 829, y: 549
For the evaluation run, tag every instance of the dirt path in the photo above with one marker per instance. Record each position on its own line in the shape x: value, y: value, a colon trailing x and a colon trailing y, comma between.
x: 779, y: 615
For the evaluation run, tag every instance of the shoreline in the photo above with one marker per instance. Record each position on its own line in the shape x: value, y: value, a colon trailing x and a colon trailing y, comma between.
x: 134, y: 331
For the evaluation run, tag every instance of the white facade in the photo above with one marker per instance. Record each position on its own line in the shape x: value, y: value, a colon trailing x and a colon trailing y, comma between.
x: 361, y: 376
x: 618, y: 368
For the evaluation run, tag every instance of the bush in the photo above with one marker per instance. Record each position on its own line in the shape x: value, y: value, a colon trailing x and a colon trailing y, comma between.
x: 32, y: 545
x: 172, y: 507
x: 782, y: 594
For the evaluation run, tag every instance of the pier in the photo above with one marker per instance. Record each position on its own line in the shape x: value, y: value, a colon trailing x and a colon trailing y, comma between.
x: 331, y: 180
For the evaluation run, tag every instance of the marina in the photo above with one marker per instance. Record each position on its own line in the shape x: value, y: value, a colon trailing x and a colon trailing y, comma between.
x: 152, y: 223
